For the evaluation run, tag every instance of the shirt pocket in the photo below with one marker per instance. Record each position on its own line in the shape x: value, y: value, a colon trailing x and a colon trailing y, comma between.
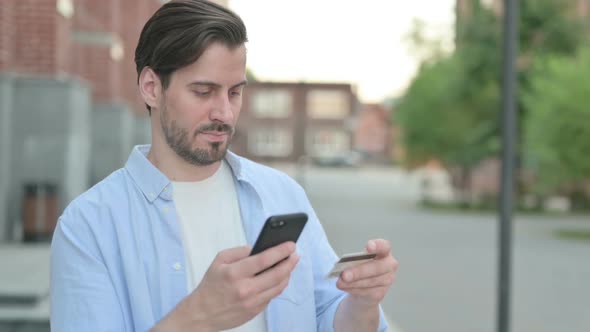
x: 300, y: 288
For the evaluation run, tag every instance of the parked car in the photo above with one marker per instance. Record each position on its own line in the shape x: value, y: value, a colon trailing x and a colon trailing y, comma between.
x: 351, y: 159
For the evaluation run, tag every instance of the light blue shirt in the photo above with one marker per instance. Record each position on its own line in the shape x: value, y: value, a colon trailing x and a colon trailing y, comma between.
x: 117, y: 259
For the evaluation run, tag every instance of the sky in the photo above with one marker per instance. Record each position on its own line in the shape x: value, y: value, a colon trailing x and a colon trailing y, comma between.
x: 360, y: 42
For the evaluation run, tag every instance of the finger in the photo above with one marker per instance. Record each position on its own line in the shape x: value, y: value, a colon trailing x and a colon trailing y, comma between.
x: 276, y: 275
x: 254, y: 303
x: 380, y: 247
x: 384, y: 280
x: 370, y: 269
x: 374, y: 294
x: 233, y: 255
x: 260, y: 262
x: 267, y: 295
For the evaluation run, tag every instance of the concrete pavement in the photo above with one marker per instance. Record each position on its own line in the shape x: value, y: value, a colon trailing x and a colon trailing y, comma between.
x: 447, y: 276
x: 24, y: 288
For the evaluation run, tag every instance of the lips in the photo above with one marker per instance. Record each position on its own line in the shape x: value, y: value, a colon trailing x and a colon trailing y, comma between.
x: 214, y: 136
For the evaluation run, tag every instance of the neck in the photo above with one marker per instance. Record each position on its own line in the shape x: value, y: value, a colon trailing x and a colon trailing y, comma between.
x: 176, y: 168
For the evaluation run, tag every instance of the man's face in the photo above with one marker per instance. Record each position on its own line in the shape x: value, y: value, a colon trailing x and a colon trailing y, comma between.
x: 200, y: 107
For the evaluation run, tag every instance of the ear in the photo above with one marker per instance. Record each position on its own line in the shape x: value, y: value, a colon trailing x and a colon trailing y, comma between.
x: 150, y: 87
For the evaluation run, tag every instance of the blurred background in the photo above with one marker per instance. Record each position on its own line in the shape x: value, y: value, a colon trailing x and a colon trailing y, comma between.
x: 386, y: 112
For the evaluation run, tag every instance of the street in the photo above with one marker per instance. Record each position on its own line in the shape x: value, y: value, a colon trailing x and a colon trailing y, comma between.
x: 448, y: 261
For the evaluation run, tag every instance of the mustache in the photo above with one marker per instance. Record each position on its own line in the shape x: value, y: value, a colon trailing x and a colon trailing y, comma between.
x: 219, y: 127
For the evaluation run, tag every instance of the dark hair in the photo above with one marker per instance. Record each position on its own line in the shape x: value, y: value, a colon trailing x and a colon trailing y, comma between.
x: 180, y: 31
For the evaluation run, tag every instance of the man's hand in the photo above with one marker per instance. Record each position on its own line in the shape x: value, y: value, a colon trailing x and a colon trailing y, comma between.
x: 230, y: 293
x: 368, y: 283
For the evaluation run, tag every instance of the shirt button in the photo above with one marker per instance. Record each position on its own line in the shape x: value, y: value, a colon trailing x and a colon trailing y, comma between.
x: 165, y: 209
x: 177, y: 266
x: 165, y: 188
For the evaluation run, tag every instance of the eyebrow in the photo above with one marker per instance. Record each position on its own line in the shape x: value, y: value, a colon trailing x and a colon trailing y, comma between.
x: 216, y: 85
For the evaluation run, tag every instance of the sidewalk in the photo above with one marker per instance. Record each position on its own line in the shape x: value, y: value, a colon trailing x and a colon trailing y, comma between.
x: 24, y: 283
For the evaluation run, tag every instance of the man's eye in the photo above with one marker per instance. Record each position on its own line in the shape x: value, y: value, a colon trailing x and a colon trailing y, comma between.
x: 202, y: 93
x: 236, y: 93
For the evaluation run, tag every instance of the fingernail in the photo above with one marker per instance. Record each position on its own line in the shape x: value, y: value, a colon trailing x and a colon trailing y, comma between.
x: 371, y: 246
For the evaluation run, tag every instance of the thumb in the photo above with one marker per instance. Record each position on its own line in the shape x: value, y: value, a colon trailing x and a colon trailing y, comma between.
x: 380, y: 247
x: 233, y: 255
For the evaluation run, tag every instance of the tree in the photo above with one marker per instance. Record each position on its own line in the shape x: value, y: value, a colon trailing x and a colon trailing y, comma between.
x: 451, y: 110
x: 438, y: 119
x: 558, y: 126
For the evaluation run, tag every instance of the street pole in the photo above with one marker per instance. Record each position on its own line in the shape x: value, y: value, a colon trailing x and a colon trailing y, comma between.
x: 509, y: 86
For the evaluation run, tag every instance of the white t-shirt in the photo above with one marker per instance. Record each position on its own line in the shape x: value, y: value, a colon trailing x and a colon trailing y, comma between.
x: 210, y: 221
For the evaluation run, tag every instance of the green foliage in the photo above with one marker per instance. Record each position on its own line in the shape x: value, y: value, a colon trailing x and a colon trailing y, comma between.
x: 428, y: 102
x: 451, y: 110
x: 423, y: 46
x: 558, y: 124
x: 573, y: 234
x: 550, y: 26
x: 442, y: 118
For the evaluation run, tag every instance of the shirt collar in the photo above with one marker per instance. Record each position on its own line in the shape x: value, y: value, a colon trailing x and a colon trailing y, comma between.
x: 153, y: 183
x: 148, y: 177
x: 236, y: 164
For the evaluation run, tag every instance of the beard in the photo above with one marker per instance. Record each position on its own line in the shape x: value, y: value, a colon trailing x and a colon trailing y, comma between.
x: 180, y: 141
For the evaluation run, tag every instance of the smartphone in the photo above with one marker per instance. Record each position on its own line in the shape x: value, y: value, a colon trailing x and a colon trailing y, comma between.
x: 278, y: 229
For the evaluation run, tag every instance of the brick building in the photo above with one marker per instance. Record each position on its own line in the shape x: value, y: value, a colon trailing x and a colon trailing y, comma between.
x: 94, y: 40
x: 69, y: 107
x: 374, y: 133
x: 281, y: 122
x: 464, y: 8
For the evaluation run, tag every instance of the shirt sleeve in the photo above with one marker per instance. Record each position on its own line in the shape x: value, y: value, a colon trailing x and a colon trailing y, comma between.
x: 83, y: 297
x: 327, y: 295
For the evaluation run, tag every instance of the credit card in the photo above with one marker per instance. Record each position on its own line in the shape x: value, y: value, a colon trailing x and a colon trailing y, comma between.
x: 348, y: 261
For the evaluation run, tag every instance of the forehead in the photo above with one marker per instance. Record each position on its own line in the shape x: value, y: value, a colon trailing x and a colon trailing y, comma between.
x: 218, y: 63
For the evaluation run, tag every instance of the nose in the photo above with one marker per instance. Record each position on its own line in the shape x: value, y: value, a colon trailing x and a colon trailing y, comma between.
x: 222, y: 110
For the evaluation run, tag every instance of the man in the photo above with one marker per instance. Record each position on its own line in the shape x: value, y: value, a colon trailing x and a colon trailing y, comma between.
x: 162, y: 244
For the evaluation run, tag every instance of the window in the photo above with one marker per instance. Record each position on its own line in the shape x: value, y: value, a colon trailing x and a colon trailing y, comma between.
x: 328, y: 143
x: 275, y: 103
x: 327, y: 104
x: 65, y: 8
x: 274, y: 142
